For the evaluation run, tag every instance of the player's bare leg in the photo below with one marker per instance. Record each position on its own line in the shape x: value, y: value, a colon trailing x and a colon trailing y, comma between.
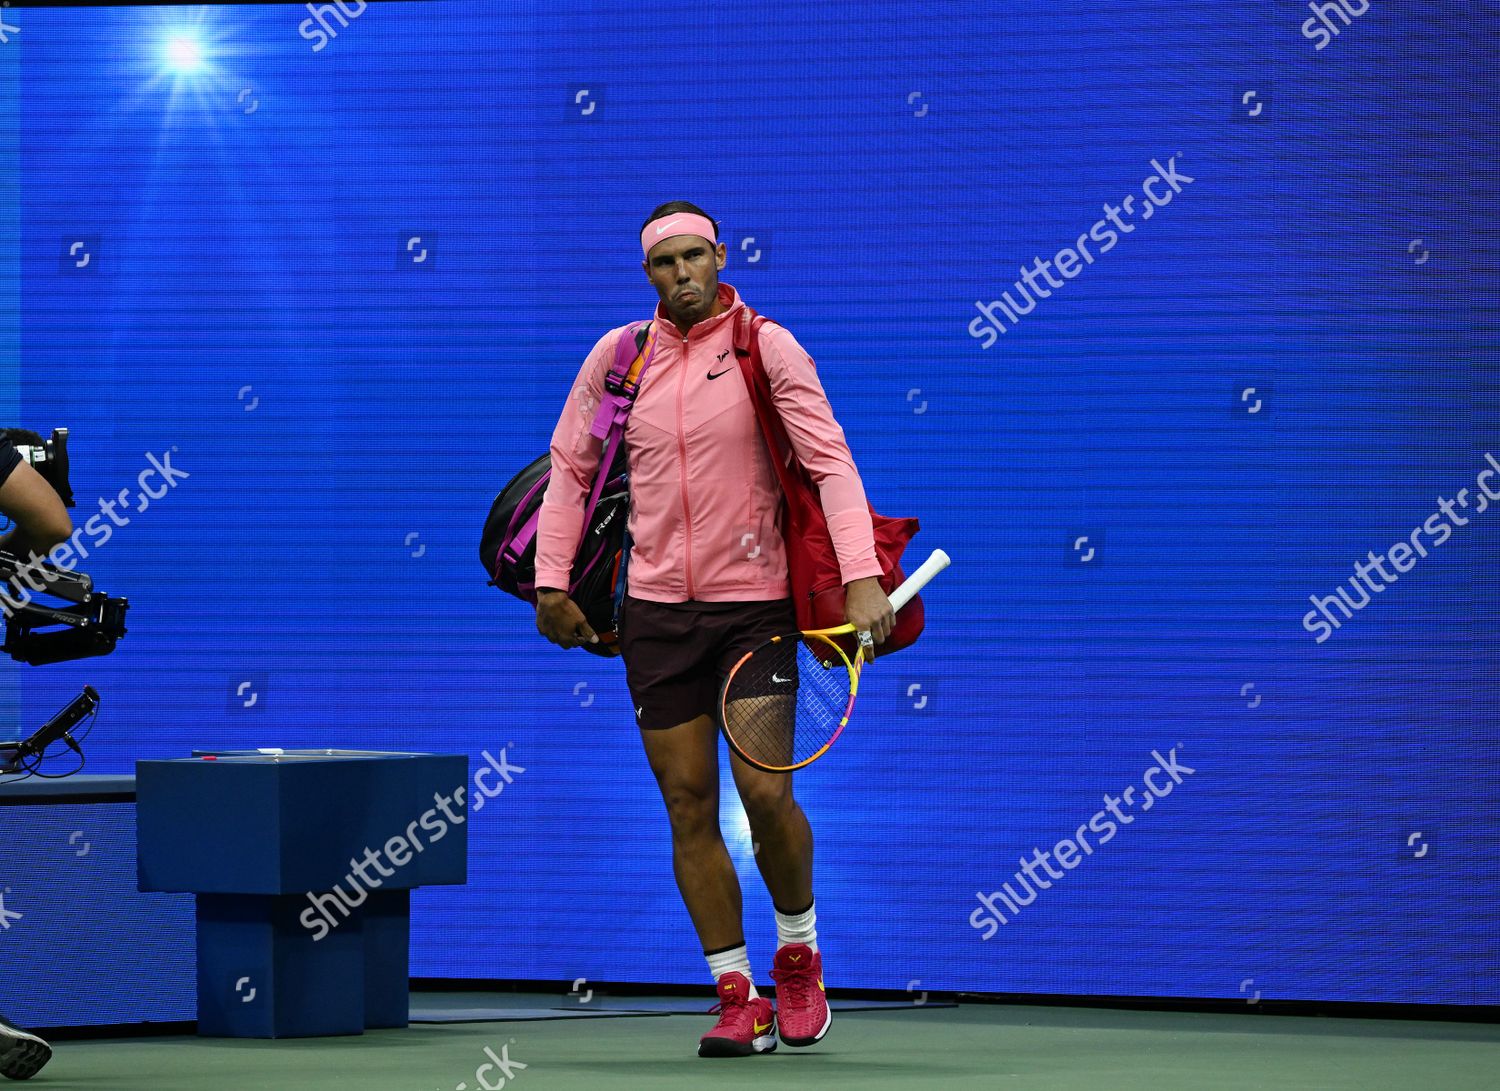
x: 780, y: 830
x: 784, y: 855
x: 685, y: 760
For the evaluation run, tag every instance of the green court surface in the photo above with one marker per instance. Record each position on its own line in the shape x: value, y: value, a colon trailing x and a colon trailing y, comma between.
x: 974, y: 1045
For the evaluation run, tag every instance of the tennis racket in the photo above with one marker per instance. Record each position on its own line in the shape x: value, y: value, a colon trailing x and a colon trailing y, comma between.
x: 786, y: 701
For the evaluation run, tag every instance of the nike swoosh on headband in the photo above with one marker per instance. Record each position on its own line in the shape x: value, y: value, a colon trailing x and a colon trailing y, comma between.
x: 663, y: 227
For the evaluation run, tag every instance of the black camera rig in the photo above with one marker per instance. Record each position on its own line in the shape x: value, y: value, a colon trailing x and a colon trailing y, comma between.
x: 77, y: 623
x: 83, y: 623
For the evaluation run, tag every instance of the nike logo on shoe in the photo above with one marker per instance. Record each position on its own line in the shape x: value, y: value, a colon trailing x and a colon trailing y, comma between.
x: 761, y: 1028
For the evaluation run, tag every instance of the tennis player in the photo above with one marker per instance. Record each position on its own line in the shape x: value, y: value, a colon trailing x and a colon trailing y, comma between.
x: 707, y: 582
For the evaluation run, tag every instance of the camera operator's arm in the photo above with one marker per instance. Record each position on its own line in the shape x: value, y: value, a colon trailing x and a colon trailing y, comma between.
x: 40, y: 517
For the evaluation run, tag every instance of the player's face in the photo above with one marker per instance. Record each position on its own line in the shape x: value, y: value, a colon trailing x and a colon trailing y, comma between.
x: 685, y: 271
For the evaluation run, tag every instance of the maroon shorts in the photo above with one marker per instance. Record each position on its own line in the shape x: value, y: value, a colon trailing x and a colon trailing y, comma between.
x: 677, y: 654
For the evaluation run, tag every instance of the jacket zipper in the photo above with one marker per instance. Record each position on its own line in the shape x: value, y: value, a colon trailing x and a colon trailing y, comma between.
x: 687, y: 518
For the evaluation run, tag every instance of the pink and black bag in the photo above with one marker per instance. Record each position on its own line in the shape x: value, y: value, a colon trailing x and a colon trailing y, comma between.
x: 507, y: 545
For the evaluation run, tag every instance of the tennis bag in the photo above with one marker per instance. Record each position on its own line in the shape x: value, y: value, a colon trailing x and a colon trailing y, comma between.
x: 507, y: 545
x: 812, y: 565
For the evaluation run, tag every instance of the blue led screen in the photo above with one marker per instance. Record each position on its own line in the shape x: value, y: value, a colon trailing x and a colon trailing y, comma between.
x: 1175, y: 327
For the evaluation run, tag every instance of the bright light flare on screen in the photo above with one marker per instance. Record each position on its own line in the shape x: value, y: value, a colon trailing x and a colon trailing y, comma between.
x: 183, y: 53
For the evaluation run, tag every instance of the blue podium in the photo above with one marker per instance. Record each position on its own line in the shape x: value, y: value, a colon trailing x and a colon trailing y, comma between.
x: 303, y: 864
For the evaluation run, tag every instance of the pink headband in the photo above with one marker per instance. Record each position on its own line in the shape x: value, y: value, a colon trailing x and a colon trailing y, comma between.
x: 675, y: 223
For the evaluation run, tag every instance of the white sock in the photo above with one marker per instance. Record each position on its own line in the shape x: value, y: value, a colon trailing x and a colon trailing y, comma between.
x: 797, y: 927
x: 727, y: 962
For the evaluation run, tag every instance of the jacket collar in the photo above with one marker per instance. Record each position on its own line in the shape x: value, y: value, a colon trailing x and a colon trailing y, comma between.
x: 727, y: 296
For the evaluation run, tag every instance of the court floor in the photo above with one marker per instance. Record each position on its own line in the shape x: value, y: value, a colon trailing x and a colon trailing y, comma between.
x: 973, y: 1045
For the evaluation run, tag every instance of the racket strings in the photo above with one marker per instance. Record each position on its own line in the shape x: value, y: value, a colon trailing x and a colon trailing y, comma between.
x: 786, y: 702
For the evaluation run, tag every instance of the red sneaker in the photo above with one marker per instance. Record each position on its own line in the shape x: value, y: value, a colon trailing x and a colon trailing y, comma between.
x: 745, y: 1026
x: 801, y: 1005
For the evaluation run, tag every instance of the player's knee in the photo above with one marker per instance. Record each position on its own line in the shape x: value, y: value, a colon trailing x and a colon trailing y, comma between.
x: 692, y: 809
x: 767, y: 803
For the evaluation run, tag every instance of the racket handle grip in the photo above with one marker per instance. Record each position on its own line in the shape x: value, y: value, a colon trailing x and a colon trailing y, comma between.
x: 920, y: 578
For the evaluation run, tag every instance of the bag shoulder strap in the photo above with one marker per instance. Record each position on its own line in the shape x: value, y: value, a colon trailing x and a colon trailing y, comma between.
x: 621, y: 384
x: 624, y: 375
x: 623, y: 379
x: 789, y: 471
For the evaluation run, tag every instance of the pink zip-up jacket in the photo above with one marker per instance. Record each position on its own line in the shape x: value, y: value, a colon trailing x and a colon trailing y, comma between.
x: 703, y: 492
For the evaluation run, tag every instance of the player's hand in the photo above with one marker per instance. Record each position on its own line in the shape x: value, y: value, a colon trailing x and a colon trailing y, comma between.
x: 868, y: 610
x: 559, y: 619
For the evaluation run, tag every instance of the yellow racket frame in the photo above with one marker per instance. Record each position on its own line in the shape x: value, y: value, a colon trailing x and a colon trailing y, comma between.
x: 936, y: 561
x: 824, y: 639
